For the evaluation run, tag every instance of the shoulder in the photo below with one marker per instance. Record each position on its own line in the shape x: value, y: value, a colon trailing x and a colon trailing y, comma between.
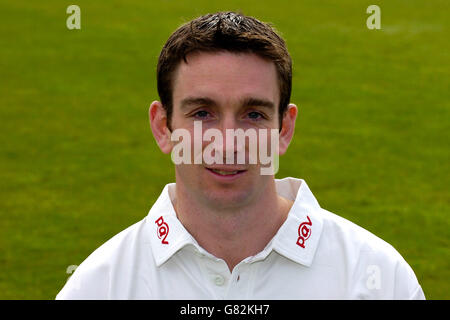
x: 374, y: 268
x: 97, y: 276
x: 355, y: 238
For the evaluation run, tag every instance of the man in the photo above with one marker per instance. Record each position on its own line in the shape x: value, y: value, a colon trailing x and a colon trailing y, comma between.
x: 224, y: 230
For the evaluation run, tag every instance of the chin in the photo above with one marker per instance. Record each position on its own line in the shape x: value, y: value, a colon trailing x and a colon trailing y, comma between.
x: 229, y: 196
x: 220, y: 193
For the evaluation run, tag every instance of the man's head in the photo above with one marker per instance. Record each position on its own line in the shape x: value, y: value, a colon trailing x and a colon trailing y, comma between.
x: 227, y: 72
x: 223, y: 31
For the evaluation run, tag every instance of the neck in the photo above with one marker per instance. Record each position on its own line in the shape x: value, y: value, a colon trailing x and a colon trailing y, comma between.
x: 236, y: 233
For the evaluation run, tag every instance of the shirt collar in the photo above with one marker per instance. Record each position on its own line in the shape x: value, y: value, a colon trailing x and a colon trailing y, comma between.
x: 299, y: 236
x: 167, y: 234
x: 297, y: 239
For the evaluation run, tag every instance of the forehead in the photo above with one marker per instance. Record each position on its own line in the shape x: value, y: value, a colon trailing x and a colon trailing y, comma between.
x: 226, y: 77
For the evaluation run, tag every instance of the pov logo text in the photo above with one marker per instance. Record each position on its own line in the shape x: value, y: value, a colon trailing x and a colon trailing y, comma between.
x: 163, y: 230
x: 304, y: 232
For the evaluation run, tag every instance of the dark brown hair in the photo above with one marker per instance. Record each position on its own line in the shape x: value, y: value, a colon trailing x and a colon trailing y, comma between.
x: 227, y: 31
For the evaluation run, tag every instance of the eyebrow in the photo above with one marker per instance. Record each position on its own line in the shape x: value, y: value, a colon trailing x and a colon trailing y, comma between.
x: 208, y: 102
x: 197, y: 101
x: 256, y: 102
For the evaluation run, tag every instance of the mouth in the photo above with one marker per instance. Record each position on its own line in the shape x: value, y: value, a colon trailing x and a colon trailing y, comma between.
x: 226, y: 173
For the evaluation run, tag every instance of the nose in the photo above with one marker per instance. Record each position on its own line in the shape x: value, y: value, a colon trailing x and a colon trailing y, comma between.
x: 229, y: 124
x: 226, y: 146
x: 233, y: 148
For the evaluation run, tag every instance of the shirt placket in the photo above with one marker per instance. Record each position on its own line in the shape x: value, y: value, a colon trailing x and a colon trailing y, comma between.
x: 216, y: 274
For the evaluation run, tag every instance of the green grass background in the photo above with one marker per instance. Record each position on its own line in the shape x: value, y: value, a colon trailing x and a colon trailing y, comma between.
x: 78, y: 162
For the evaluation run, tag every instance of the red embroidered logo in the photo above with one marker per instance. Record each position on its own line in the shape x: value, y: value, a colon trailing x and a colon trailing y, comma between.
x: 163, y: 230
x: 304, y: 232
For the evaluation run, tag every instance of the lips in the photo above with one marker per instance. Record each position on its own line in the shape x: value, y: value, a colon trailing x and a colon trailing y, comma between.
x: 226, y: 171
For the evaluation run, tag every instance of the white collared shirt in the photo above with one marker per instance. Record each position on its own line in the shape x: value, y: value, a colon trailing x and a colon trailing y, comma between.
x: 314, y: 255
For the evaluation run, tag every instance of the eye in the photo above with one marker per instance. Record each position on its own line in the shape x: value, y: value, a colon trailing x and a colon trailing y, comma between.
x: 201, y: 114
x: 255, y: 115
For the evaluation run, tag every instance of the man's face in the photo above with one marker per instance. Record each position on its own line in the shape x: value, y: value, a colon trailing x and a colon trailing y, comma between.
x: 224, y: 91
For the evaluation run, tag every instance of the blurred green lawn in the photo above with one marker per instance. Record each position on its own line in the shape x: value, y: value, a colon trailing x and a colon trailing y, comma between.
x: 79, y: 164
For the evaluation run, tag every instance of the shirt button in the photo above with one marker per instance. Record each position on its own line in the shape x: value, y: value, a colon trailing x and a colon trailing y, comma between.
x: 219, y: 280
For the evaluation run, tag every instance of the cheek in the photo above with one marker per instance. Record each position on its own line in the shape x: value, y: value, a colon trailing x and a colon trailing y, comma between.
x: 268, y: 144
x: 256, y: 148
x: 190, y: 174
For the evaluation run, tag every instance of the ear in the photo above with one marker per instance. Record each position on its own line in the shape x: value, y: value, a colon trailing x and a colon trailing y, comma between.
x: 288, y: 128
x: 158, y: 123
